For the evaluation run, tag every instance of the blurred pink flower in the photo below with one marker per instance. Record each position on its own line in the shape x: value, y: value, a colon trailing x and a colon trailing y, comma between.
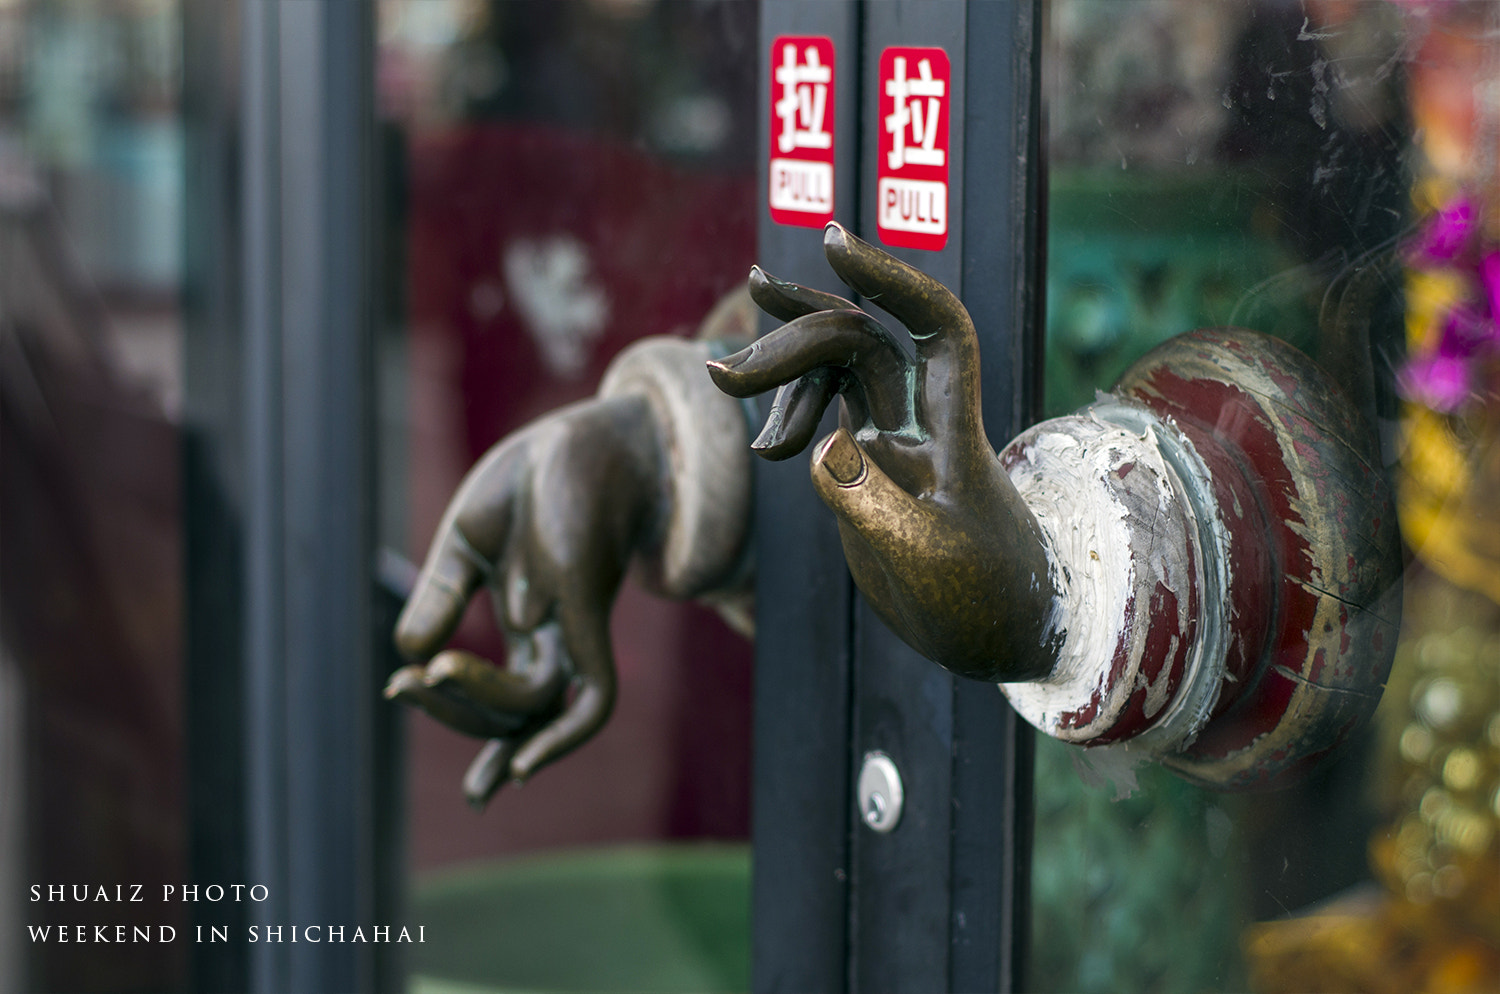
x: 1437, y: 381
x: 1489, y: 278
x: 1442, y: 376
x: 1446, y: 234
x: 1468, y: 332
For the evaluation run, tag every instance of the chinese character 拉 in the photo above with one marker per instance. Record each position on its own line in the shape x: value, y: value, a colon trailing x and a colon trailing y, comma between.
x: 910, y: 112
x: 804, y: 100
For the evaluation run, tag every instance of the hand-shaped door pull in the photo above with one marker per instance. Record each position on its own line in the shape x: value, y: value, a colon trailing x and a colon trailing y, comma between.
x: 650, y: 475
x: 1202, y: 567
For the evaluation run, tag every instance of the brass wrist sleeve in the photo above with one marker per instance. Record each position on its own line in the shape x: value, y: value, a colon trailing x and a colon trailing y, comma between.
x: 703, y: 550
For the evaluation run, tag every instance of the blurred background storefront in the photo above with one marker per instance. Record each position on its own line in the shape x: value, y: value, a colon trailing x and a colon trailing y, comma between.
x: 272, y: 276
x: 92, y: 782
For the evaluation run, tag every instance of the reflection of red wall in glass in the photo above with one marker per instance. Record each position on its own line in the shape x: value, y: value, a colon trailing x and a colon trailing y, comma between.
x: 534, y: 255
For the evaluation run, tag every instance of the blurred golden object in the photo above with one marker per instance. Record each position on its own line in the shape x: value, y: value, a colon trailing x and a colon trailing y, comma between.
x: 1442, y: 761
x: 1450, y: 472
x: 1433, y: 922
x: 1429, y: 294
x: 1373, y: 945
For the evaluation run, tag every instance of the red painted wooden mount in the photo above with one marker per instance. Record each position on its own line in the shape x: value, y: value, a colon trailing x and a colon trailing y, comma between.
x: 1228, y: 555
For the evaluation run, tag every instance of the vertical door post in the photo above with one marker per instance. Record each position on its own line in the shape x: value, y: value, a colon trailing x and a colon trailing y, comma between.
x: 802, y: 811
x: 940, y: 902
x: 284, y: 649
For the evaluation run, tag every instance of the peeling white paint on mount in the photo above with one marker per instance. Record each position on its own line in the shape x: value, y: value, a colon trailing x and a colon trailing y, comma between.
x: 1130, y: 527
x: 1062, y: 477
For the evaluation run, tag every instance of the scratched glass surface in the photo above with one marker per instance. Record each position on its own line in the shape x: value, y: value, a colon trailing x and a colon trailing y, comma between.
x: 1325, y: 172
x: 567, y: 177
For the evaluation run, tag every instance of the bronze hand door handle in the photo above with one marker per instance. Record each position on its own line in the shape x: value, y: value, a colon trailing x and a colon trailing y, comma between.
x: 1202, y: 567
x: 650, y: 475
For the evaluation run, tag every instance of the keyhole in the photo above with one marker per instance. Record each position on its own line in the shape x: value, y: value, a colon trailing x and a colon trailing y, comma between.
x: 880, y: 794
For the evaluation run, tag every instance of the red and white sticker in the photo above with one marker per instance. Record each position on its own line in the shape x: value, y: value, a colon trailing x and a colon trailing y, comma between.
x: 801, y: 174
x: 912, y: 172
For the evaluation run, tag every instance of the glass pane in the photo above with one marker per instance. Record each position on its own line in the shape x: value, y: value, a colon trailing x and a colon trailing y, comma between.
x: 91, y: 762
x: 565, y: 178
x: 1324, y: 172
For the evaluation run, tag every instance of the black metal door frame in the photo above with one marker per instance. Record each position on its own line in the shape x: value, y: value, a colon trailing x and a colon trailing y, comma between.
x: 941, y: 902
x: 292, y: 781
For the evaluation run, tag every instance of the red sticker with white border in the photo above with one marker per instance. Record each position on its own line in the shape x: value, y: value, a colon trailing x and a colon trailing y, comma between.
x: 912, y: 171
x: 801, y: 174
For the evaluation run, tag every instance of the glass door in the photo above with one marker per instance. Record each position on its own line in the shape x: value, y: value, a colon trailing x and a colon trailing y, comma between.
x: 564, y: 179
x: 1325, y: 173
x: 570, y: 177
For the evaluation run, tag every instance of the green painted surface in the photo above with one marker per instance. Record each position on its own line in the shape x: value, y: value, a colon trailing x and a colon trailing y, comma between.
x: 664, y: 919
x: 1133, y: 260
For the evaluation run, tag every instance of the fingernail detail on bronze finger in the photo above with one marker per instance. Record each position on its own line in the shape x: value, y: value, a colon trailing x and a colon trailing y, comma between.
x: 842, y: 459
x: 733, y: 360
x: 403, y: 681
x: 773, y: 432
x: 760, y: 276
